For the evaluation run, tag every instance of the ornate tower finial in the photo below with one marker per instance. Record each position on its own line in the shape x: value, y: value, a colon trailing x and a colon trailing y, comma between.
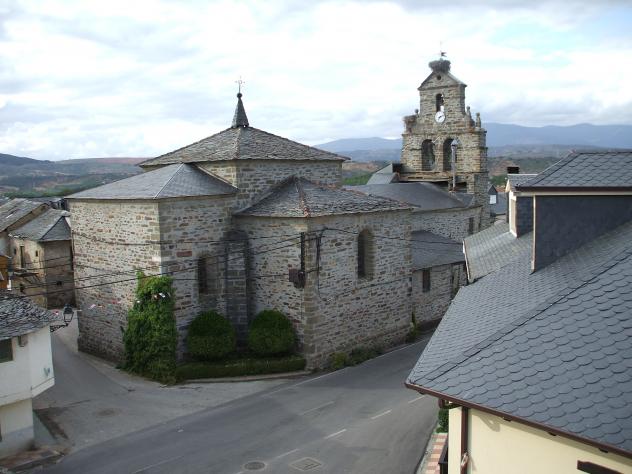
x: 240, y: 119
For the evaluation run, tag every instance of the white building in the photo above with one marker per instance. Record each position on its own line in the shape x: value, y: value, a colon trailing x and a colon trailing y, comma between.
x: 26, y: 368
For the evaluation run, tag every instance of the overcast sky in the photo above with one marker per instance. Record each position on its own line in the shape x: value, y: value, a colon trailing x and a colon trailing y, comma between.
x: 140, y: 78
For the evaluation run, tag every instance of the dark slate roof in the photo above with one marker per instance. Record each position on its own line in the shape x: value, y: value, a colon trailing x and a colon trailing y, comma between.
x: 493, y: 248
x: 49, y: 225
x: 500, y: 208
x: 20, y: 316
x: 552, y: 347
x: 178, y: 180
x: 514, y: 180
x: 299, y: 197
x: 14, y: 210
x: 243, y: 143
x: 587, y: 169
x: 423, y: 196
x: 430, y: 250
x: 385, y: 175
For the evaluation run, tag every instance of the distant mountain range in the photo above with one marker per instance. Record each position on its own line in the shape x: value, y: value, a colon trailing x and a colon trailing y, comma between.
x: 532, y: 148
x: 550, y: 139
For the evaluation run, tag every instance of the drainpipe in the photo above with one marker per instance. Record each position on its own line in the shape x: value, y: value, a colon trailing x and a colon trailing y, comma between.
x: 465, y: 412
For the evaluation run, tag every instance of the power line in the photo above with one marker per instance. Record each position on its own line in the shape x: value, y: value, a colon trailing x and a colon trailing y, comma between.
x: 123, y: 272
x: 159, y: 274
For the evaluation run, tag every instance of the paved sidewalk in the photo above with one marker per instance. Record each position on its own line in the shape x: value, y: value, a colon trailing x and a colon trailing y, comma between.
x: 92, y: 401
x: 430, y: 462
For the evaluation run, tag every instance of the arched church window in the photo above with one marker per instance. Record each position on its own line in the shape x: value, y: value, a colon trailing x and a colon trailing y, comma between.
x: 447, y: 154
x: 365, y: 254
x: 439, y: 103
x: 427, y: 155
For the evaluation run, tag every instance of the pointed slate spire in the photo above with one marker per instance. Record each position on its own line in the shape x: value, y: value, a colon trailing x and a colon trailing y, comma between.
x: 240, y: 119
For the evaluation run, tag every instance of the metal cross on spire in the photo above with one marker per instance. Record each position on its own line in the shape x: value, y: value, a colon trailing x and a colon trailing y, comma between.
x: 240, y: 82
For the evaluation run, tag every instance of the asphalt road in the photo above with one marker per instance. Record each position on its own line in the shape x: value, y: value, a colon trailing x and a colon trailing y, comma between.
x: 357, y: 420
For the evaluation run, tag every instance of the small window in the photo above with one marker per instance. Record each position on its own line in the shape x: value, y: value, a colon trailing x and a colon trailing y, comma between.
x: 37, y: 253
x: 439, y: 101
x: 202, y: 276
x: 22, y: 259
x: 365, y: 254
x: 425, y: 280
x: 470, y: 226
x: 6, y: 350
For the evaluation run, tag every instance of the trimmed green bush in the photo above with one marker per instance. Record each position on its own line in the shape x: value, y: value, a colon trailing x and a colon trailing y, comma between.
x: 211, y: 336
x: 270, y: 334
x: 338, y: 360
x: 239, y: 367
x: 150, y: 338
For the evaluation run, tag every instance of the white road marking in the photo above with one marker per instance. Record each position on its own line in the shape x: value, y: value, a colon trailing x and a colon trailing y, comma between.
x: 304, y: 381
x: 380, y: 414
x: 335, y: 434
x: 157, y: 464
x: 317, y: 408
x: 286, y: 454
x: 415, y: 399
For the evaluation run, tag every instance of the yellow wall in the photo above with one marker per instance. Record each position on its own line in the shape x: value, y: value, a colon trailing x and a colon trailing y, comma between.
x: 499, y: 446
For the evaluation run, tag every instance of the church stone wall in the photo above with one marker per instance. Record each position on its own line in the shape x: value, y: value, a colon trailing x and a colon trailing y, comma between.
x: 104, y: 238
x: 274, y: 248
x: 430, y: 306
x: 194, y: 228
x: 450, y: 223
x: 343, y: 311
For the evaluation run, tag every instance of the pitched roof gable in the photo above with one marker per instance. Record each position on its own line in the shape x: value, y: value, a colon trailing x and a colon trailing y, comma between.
x: 585, y: 170
x: 243, y: 143
x: 547, y: 347
x: 177, y: 180
x: 48, y: 226
x: 299, y: 197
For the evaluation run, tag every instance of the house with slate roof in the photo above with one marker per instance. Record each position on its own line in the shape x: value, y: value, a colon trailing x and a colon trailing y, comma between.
x: 245, y: 220
x: 534, y: 359
x: 26, y: 368
x: 15, y: 213
x: 42, y: 259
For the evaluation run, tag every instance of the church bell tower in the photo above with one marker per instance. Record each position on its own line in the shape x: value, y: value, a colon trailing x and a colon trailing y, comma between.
x: 442, y: 143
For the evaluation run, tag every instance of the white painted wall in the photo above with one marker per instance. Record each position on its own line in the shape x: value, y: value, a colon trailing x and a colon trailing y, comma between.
x: 499, y: 446
x: 31, y: 370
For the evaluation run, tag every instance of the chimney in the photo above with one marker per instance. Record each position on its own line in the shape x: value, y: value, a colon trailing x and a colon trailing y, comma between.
x: 513, y: 169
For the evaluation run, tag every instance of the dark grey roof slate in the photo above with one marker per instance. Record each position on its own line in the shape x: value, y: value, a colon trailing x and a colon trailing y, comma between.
x: 178, y: 180
x: 299, y: 197
x: 423, y: 196
x: 500, y: 208
x: 243, y: 143
x: 14, y: 210
x: 493, y: 248
x: 49, y: 225
x: 514, y: 180
x: 552, y: 347
x: 384, y: 175
x: 20, y: 316
x: 240, y: 119
x: 430, y: 250
x: 587, y: 169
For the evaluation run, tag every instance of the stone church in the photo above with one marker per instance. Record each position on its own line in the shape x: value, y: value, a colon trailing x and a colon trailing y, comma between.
x: 245, y: 220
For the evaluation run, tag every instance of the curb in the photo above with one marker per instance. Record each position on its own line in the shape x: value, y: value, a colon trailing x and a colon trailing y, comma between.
x: 251, y: 378
x: 30, y: 459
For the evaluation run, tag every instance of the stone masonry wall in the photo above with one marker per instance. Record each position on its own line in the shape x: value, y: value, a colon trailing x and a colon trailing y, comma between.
x: 254, y: 177
x: 193, y: 228
x: 58, y: 273
x: 106, y: 235
x: 450, y: 223
x: 343, y: 311
x: 430, y: 306
x: 274, y: 248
